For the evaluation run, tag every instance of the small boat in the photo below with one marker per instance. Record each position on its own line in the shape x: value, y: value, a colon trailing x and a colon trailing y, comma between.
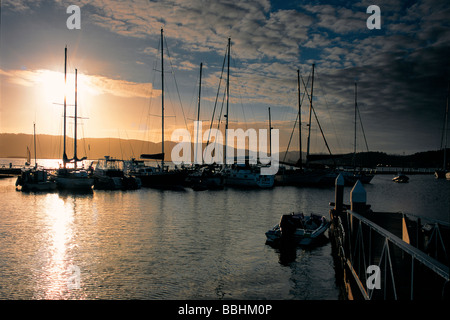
x: 298, y: 229
x: 401, y: 178
x: 109, y: 175
x: 246, y: 175
x: 207, y: 177
x: 34, y: 179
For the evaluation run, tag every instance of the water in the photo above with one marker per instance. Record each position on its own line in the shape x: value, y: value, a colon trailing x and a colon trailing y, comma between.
x: 151, y: 244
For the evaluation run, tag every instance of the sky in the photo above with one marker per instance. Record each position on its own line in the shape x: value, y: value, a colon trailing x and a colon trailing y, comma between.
x: 402, y: 70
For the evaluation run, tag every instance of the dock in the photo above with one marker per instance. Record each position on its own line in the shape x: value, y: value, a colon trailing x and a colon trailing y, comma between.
x: 387, y: 255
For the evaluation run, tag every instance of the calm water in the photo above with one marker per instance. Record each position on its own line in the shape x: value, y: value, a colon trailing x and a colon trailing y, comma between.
x: 150, y: 244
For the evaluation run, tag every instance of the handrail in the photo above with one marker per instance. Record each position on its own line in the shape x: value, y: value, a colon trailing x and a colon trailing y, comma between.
x: 417, y: 254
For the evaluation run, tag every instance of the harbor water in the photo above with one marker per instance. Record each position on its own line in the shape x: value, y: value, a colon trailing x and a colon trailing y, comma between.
x: 164, y: 244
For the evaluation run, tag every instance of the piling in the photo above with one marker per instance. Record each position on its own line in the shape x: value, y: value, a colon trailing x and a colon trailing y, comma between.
x: 339, y: 193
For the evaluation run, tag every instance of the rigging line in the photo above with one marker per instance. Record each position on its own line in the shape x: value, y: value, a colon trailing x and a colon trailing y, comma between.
x: 362, y: 128
x: 131, y: 146
x: 318, y: 123
x: 293, y: 129
x: 146, y: 134
x: 290, y: 138
x: 217, y: 96
x: 120, y: 142
x: 176, y: 83
x: 240, y: 97
x: 319, y: 81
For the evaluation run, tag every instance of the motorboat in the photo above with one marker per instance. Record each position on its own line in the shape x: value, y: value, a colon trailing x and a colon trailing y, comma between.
x: 246, y: 175
x: 401, y: 178
x: 298, y: 229
x: 206, y: 178
x: 109, y: 175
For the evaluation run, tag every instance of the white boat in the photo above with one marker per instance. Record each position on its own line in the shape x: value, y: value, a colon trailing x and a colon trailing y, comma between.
x: 109, y: 175
x: 74, y: 179
x: 298, y: 229
x: 245, y: 175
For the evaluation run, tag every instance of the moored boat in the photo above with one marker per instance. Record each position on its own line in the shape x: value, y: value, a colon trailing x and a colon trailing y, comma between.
x: 109, y: 175
x: 34, y: 179
x: 298, y: 229
x: 246, y: 175
x: 401, y: 178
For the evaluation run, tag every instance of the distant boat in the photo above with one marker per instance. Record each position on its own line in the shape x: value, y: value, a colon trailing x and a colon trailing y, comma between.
x: 77, y: 179
x: 298, y: 229
x: 246, y: 175
x: 444, y: 173
x: 28, y: 161
x: 34, y: 178
x: 364, y: 176
x: 401, y: 178
x: 109, y: 174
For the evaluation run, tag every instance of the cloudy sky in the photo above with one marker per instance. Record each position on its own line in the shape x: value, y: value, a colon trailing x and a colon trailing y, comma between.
x: 402, y: 70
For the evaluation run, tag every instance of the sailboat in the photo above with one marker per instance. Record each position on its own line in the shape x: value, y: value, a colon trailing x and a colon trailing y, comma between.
x: 351, y: 177
x: 299, y: 174
x: 242, y: 174
x: 77, y: 179
x: 444, y: 172
x: 203, y: 177
x: 34, y: 178
x: 159, y: 176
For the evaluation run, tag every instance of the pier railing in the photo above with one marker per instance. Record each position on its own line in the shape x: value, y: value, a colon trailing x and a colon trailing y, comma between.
x: 376, y: 259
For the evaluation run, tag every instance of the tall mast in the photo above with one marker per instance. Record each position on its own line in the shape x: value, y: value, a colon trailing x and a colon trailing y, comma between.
x: 270, y: 134
x: 446, y: 131
x: 354, y: 146
x: 162, y: 97
x: 310, y: 111
x: 65, y: 106
x: 75, y: 136
x: 299, y: 119
x: 198, y: 112
x: 34, y: 134
x: 228, y: 94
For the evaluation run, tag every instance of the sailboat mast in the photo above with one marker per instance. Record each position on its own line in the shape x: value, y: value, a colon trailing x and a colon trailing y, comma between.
x: 354, y: 145
x: 270, y: 134
x: 65, y: 106
x: 75, y: 139
x: 299, y: 120
x: 34, y: 135
x: 310, y: 112
x: 162, y: 97
x: 228, y: 94
x: 198, y: 113
x: 446, y: 130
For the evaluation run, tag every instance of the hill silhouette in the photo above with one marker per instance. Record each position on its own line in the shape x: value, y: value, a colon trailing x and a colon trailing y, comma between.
x: 51, y: 147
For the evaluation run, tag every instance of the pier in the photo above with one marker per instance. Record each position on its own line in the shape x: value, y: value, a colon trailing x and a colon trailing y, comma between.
x: 387, y: 255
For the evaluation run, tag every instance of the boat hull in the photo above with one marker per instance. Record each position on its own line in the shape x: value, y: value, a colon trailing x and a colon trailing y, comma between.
x: 165, y: 179
x: 296, y: 229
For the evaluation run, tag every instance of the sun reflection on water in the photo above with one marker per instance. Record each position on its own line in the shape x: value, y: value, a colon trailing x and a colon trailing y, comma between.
x: 58, y: 215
